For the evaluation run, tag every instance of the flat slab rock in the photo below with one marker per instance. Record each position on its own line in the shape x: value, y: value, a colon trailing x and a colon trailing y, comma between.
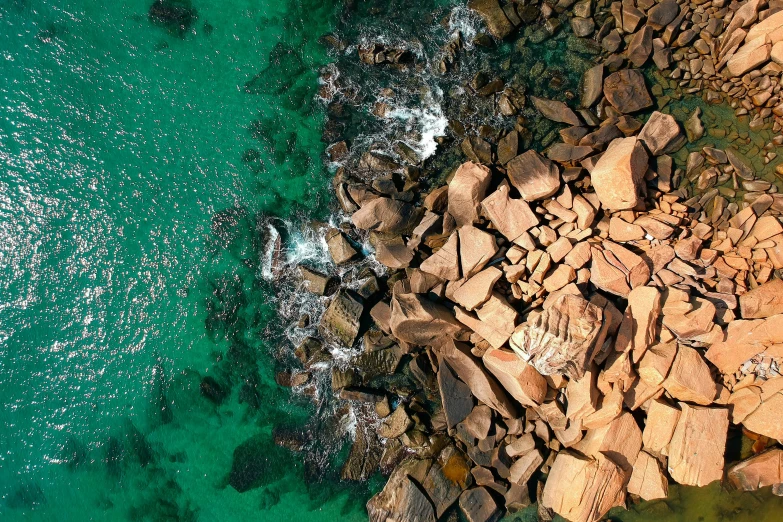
x: 340, y: 322
x: 765, y: 469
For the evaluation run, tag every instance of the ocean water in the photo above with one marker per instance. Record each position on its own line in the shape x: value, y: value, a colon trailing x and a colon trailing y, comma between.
x: 136, y: 162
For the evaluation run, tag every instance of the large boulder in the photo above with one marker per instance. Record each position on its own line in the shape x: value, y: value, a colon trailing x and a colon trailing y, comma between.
x: 417, y: 320
x: 402, y: 498
x: 556, y: 111
x: 698, y: 445
x: 520, y: 379
x: 466, y: 191
x: 750, y: 56
x: 512, y: 217
x: 765, y: 469
x: 626, y: 91
x: 494, y: 16
x: 386, y: 215
x: 534, y: 176
x: 662, y: 134
x: 763, y: 301
x: 340, y: 322
x: 618, y: 175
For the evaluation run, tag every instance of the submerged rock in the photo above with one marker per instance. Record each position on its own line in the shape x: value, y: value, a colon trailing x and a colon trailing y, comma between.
x: 176, y: 15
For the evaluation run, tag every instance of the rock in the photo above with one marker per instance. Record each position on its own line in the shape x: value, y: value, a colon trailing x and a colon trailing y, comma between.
x: 177, y: 16
x: 520, y: 379
x: 340, y: 249
x: 495, y: 323
x: 622, y: 231
x: 640, y: 46
x: 698, y: 444
x: 560, y: 340
x: 582, y: 27
x: 417, y: 320
x: 591, y: 86
x: 378, y: 362
x: 478, y: 505
x: 763, y: 301
x: 620, y: 440
x: 662, y: 134
x: 765, y: 420
x: 662, y: 14
x: 340, y: 322
x: 771, y: 26
x: 477, y: 290
x: 694, y: 129
x: 762, y: 470
x: 583, y: 490
x: 471, y: 371
x: 555, y: 111
x: 477, y: 248
x: 534, y: 176
x: 396, y: 424
x: 386, y: 215
x: 444, y: 263
x: 639, y: 327
x: 740, y: 163
x: 750, y: 56
x: 508, y: 147
x: 493, y: 15
x: 315, y: 282
x: 745, y: 339
x: 455, y: 395
x: 477, y: 150
x: 466, y: 191
x: 647, y: 480
x: 523, y: 468
x: 616, y: 269
x: 479, y: 422
x: 662, y: 419
x: 626, y: 91
x: 364, y: 457
x: 618, y: 175
x: 512, y: 217
x: 690, y: 379
x: 402, y: 498
x: 448, y: 477
x: 391, y: 252
x: 776, y: 54
x: 656, y: 362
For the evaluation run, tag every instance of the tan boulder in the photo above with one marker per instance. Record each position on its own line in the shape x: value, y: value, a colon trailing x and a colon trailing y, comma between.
x: 647, y: 480
x: 524, y: 467
x: 444, y: 263
x: 520, y: 379
x: 743, y: 402
x: 661, y: 134
x: 583, y: 489
x: 750, y: 56
x: 662, y: 419
x: 690, y: 378
x: 494, y: 16
x: 623, y: 231
x: 771, y: 26
x: 698, y: 445
x: 561, y: 339
x: 495, y: 320
x: 555, y: 111
x: 639, y: 328
x: 688, y: 319
x: 590, y: 88
x: 616, y: 269
x: 766, y: 419
x: 582, y: 396
x: 765, y: 469
x: 619, y: 174
x: 386, y: 215
x: 476, y: 249
x: 763, y: 301
x: 512, y: 217
x: 471, y: 371
x: 656, y: 362
x: 466, y: 190
x: 417, y: 320
x: 534, y: 176
x: 620, y: 440
x: 626, y: 91
x: 744, y: 340
x: 340, y: 249
x: 477, y: 289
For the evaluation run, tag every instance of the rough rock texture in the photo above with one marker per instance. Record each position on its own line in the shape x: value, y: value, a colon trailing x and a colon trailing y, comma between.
x: 560, y: 340
x: 617, y: 176
x: 763, y: 301
x: 455, y: 395
x: 661, y: 134
x: 520, y: 379
x: 647, y: 479
x: 626, y: 91
x: 555, y: 111
x: 340, y: 322
x: 698, y: 444
x: 534, y: 176
x: 478, y: 505
x: 512, y: 217
x: 765, y: 469
x: 386, y: 215
x: 466, y: 191
x: 415, y: 319
x: 402, y: 498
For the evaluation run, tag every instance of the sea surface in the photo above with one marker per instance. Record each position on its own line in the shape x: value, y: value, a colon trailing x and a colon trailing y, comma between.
x: 146, y: 171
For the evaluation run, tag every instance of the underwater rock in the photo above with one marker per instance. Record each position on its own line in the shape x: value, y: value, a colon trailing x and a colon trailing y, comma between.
x: 212, y: 390
x: 176, y: 15
x: 256, y: 462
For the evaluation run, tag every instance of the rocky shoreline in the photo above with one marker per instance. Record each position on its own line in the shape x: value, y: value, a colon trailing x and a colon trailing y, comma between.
x: 577, y: 319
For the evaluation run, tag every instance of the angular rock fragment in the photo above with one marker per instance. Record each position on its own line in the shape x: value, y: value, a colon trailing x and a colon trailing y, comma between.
x: 620, y: 440
x: 744, y: 340
x: 591, y: 87
x: 765, y: 469
x: 764, y: 301
x: 698, y: 444
x: 534, y: 176
x: 402, y: 498
x: 512, y: 217
x: 396, y: 424
x: 626, y: 91
x: 476, y: 248
x: 640, y: 322
x: 662, y: 419
x: 520, y: 379
x: 478, y: 505
x: 690, y: 379
x: 750, y: 56
x: 765, y: 420
x: 478, y: 289
x: 655, y: 363
x: 555, y: 111
x: 493, y: 15
x: 466, y: 191
x: 561, y: 339
x: 661, y: 134
x: 340, y: 322
x: 619, y: 173
x: 455, y: 396
x: 386, y: 215
x: 448, y: 477
x: 444, y: 263
x: 417, y: 320
x: 340, y: 249
x: 647, y: 480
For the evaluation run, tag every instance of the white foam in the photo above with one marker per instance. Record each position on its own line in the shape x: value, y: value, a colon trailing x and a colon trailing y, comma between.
x: 429, y: 123
x: 466, y: 21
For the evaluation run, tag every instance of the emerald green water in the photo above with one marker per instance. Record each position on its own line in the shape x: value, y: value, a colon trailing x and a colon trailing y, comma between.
x: 119, y: 140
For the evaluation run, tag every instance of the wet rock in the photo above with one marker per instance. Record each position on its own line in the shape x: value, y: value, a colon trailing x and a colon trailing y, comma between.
x: 661, y: 134
x: 315, y: 282
x: 448, y: 477
x: 534, y: 176
x: 765, y: 469
x: 591, y: 86
x: 560, y: 340
x: 340, y: 249
x: 478, y: 505
x: 377, y: 54
x: 177, y: 16
x: 508, y: 147
x: 213, y: 390
x: 310, y: 351
x: 640, y: 46
x: 555, y: 111
x: 396, y: 424
x: 379, y: 362
x: 340, y: 322
x: 417, y: 320
x: 618, y: 175
x: 494, y: 16
x: 477, y: 150
x: 694, y: 129
x: 626, y: 91
x: 466, y: 191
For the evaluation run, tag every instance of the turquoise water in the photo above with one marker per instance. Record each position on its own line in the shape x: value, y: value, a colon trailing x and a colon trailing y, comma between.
x: 119, y: 140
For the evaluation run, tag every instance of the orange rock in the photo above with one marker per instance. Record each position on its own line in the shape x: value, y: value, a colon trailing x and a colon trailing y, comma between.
x: 647, y: 479
x: 534, y: 176
x: 582, y: 396
x: 690, y: 378
x: 620, y: 440
x: 512, y: 217
x: 766, y: 419
x: 745, y: 339
x: 743, y: 402
x: 476, y: 248
x: 520, y: 379
x: 763, y: 301
x: 662, y: 419
x: 477, y: 289
x: 640, y: 322
x: 466, y: 191
x: 698, y: 445
x: 618, y: 175
x: 656, y: 362
x: 765, y: 469
x: 417, y: 320
x: 611, y: 407
x: 444, y: 263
